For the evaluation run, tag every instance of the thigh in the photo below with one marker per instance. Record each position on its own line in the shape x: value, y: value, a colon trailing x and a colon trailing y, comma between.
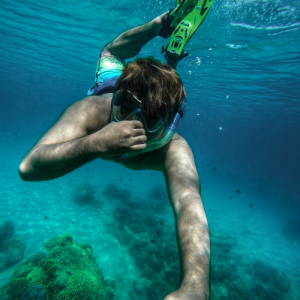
x: 109, y: 68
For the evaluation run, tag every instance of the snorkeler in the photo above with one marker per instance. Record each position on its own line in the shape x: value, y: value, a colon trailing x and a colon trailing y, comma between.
x: 130, y: 117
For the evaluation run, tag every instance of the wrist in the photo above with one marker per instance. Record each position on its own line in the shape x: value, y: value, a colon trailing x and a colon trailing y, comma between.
x: 95, y: 145
x: 195, y: 288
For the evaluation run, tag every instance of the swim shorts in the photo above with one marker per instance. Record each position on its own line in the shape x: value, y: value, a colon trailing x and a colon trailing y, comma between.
x: 109, y: 69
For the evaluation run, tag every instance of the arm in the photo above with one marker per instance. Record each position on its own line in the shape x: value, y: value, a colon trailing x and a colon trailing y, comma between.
x: 130, y: 43
x: 191, y: 223
x: 80, y: 135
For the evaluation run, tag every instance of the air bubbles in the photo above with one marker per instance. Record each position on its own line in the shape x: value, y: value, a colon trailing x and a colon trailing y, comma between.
x: 189, y: 72
x: 198, y: 61
x: 220, y: 128
x: 209, y: 49
x: 226, y: 97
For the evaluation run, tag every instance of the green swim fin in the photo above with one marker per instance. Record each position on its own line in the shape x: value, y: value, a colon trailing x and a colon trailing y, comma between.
x: 176, y: 15
x: 185, y: 30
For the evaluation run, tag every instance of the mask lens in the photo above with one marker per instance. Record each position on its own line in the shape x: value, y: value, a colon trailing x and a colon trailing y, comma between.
x: 125, y: 106
x: 154, y: 125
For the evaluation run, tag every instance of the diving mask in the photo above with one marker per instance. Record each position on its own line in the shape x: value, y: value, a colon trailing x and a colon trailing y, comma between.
x: 126, y: 106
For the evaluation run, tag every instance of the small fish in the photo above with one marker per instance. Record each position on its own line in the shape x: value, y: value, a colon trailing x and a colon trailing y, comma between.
x: 151, y: 174
x: 73, y: 222
x: 230, y: 197
x: 121, y: 178
x: 209, y: 209
x: 152, y: 241
x: 227, y: 250
x: 87, y: 169
x: 46, y: 217
x: 54, y: 214
x: 274, y: 206
x: 251, y: 205
x: 161, y: 223
x: 130, y: 179
x: 70, y: 180
x: 158, y: 232
x: 215, y: 169
x: 238, y: 191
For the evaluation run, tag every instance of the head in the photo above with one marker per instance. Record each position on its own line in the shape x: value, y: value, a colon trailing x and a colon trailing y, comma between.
x: 155, y: 83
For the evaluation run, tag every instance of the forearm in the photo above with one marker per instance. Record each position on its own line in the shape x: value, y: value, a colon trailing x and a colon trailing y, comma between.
x: 129, y: 43
x: 193, y: 246
x: 47, y: 162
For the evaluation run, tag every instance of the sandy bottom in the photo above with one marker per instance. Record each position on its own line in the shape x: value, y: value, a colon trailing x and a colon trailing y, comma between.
x: 122, y: 211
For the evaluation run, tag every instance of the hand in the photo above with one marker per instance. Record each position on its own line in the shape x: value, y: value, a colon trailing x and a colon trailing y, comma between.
x: 120, y: 137
x: 188, y: 295
x: 177, y: 295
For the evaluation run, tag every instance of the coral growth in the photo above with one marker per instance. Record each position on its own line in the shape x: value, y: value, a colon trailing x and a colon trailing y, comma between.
x: 232, y: 277
x: 11, y: 246
x: 68, y: 272
x: 84, y: 194
x: 34, y: 292
x: 114, y: 192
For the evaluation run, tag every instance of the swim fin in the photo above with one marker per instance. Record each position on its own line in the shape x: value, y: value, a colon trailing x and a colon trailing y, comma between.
x: 176, y: 15
x: 185, y: 30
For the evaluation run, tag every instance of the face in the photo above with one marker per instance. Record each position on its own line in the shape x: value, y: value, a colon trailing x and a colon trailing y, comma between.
x: 126, y: 106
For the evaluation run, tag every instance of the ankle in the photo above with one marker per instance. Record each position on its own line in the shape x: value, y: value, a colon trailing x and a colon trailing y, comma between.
x: 157, y: 23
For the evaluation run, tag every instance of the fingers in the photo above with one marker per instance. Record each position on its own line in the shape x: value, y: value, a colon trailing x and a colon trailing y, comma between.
x: 138, y: 127
x: 139, y: 132
x: 136, y: 124
x: 140, y: 139
x: 139, y: 143
x: 138, y: 147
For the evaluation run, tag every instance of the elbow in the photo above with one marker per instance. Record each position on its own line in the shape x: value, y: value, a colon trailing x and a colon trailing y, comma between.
x: 24, y: 171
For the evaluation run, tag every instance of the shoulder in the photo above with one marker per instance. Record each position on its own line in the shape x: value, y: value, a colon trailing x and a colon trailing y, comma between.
x: 178, y: 154
x: 93, y: 111
x: 179, y: 166
x: 92, y: 104
x: 177, y: 145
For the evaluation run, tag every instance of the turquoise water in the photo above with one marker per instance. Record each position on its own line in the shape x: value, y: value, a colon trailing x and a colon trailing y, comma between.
x: 242, y: 123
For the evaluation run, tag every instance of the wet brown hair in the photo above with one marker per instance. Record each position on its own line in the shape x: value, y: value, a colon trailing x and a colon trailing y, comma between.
x: 155, y: 83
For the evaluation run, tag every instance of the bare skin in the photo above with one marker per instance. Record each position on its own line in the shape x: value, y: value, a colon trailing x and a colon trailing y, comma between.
x: 84, y: 132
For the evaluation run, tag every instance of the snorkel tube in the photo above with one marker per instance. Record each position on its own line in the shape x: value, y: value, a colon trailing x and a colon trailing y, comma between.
x: 166, y: 136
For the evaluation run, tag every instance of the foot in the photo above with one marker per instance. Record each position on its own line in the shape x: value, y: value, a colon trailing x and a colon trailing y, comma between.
x: 175, y: 16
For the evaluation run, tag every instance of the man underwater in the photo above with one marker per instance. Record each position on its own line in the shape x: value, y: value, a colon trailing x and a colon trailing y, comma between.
x: 130, y: 117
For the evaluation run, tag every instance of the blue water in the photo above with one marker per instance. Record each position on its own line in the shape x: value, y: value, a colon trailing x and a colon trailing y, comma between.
x: 242, y: 122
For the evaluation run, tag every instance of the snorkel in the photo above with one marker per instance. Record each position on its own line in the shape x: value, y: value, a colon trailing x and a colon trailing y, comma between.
x: 165, y: 137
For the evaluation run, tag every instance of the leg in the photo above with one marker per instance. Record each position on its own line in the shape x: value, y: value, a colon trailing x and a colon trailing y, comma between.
x: 130, y: 43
